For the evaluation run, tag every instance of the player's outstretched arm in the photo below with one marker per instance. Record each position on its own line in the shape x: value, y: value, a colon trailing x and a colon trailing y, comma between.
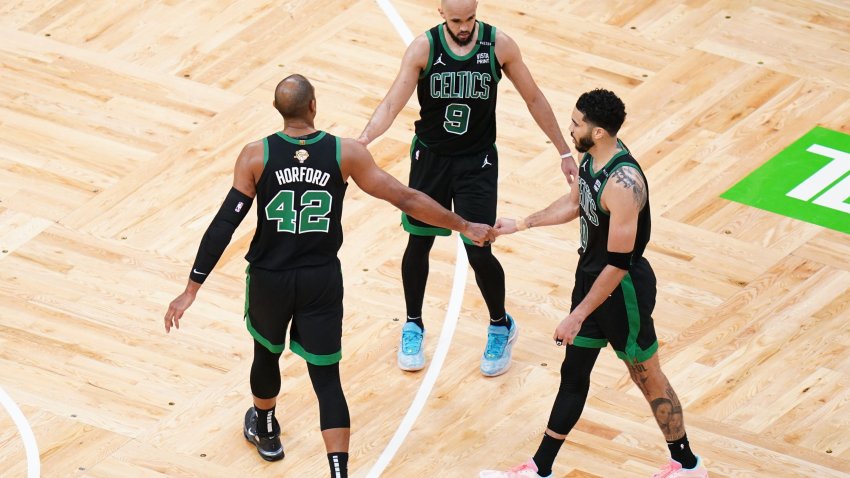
x: 507, y: 52
x: 235, y: 207
x: 413, y: 62
x: 562, y: 210
x: 358, y: 164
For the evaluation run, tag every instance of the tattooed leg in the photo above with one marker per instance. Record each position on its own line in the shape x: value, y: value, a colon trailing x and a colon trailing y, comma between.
x: 662, y: 398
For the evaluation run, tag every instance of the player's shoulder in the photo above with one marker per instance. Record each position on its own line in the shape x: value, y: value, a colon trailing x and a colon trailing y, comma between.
x: 350, y: 147
x: 253, y: 150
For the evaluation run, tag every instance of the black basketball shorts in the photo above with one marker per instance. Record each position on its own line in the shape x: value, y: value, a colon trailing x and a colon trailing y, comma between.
x: 625, y: 318
x: 308, y: 297
x: 468, y: 182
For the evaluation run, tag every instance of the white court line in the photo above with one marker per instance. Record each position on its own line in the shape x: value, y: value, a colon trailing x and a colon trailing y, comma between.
x: 33, y: 463
x: 395, y: 19
x: 449, y: 325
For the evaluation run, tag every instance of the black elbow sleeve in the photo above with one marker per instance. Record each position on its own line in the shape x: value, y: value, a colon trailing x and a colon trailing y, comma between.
x: 234, y: 208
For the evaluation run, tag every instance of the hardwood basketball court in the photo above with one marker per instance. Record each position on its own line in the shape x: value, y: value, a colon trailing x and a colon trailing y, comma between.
x: 119, y: 126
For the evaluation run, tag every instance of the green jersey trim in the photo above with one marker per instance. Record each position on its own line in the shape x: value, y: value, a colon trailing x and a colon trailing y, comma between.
x: 265, y: 152
x: 302, y: 142
x: 640, y: 355
x: 273, y: 348
x: 471, y: 52
x: 339, y: 152
x: 314, y: 359
x: 427, y: 68
x: 412, y: 146
x: 589, y: 343
x: 493, y: 60
x: 422, y: 231
x: 633, y: 313
x: 623, y: 150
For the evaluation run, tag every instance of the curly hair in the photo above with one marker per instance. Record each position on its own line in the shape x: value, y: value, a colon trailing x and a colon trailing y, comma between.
x: 602, y: 108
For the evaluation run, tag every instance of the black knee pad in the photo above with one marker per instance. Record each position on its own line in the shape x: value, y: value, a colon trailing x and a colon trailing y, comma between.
x: 333, y: 409
x: 265, y: 372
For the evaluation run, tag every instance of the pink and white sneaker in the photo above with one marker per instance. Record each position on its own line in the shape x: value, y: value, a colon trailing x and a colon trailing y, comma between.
x: 674, y: 469
x: 525, y: 470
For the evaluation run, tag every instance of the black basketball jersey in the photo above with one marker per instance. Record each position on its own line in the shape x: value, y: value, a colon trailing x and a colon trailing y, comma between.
x: 595, y: 222
x: 457, y: 95
x: 299, y: 202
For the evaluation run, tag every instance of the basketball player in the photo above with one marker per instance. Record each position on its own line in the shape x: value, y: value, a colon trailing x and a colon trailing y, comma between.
x: 299, y: 176
x: 614, y: 292
x: 455, y: 68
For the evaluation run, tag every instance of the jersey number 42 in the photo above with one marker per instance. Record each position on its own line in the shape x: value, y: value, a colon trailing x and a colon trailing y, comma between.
x: 315, y: 206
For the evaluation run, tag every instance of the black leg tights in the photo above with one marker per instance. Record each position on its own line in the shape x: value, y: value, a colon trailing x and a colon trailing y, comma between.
x: 575, y: 385
x: 490, y: 278
x: 414, y: 272
x: 333, y: 409
x: 265, y: 372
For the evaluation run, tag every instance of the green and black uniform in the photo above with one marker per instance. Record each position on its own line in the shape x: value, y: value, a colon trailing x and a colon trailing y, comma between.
x: 294, y: 272
x: 453, y: 155
x: 625, y: 318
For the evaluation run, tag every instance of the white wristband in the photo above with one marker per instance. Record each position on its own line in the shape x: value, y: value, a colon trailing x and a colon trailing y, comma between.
x: 567, y: 155
x: 521, y: 225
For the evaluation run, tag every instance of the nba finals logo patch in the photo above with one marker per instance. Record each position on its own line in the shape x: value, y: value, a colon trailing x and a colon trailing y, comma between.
x: 301, y: 155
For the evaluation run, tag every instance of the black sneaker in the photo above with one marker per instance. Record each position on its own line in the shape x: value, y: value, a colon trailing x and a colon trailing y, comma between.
x: 269, y: 448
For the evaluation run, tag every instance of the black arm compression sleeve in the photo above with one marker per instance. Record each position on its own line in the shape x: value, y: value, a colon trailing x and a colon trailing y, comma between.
x: 620, y: 260
x: 234, y: 208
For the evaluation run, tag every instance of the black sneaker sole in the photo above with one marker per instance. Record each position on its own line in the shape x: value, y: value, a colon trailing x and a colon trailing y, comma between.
x: 259, y: 452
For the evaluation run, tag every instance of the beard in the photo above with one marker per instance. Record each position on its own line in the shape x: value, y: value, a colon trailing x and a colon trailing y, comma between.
x: 584, y: 144
x: 457, y: 40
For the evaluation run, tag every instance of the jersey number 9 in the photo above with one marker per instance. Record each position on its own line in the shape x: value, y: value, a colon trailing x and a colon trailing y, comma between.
x: 457, y: 118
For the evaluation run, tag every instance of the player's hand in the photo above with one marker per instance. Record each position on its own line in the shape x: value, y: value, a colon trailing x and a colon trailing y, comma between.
x: 480, y: 234
x: 505, y: 225
x: 569, y: 168
x: 363, y: 139
x: 176, y: 309
x: 568, y: 329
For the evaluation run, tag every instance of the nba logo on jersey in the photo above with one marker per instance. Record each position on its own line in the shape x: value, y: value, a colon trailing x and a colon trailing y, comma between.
x: 483, y: 58
x: 301, y: 155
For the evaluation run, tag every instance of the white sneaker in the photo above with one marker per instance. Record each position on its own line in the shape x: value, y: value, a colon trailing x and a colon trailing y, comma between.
x: 411, y: 353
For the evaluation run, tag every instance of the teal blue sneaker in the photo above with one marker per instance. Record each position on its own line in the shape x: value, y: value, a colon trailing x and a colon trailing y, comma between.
x: 411, y: 354
x: 497, y: 355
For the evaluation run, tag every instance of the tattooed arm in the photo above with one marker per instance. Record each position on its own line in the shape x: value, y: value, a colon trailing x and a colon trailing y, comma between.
x: 623, y: 197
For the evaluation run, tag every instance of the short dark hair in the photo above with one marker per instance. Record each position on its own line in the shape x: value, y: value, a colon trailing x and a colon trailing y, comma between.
x: 602, y: 108
x: 293, y: 95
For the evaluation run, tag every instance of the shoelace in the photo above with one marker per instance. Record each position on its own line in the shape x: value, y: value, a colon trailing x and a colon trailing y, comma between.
x: 411, y: 342
x: 496, y: 345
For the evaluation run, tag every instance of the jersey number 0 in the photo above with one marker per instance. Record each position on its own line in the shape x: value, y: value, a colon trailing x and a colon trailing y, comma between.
x: 315, y: 207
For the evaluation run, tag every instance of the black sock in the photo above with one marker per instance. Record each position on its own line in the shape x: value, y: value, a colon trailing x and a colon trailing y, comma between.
x: 417, y: 321
x: 339, y: 464
x: 680, y: 451
x: 265, y: 422
x: 546, y: 453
